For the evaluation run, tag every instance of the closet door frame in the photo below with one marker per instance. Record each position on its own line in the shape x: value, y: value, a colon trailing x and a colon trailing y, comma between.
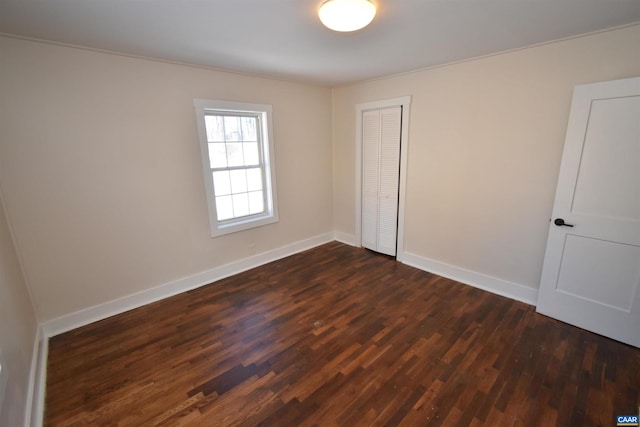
x: 404, y: 102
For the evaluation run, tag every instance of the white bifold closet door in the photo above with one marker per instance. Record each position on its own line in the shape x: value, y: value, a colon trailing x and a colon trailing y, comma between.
x: 381, y: 131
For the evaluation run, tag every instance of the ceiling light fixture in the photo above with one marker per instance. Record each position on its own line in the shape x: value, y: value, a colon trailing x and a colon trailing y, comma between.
x: 346, y: 15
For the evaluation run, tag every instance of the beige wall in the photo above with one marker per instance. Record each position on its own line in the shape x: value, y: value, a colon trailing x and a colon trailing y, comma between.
x: 17, y: 330
x: 100, y: 167
x: 485, y: 145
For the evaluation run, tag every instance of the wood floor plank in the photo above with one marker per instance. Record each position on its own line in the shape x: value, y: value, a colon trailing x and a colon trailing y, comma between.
x: 337, y: 336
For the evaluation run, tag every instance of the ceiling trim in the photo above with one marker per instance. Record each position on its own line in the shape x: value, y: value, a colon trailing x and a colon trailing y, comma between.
x: 267, y: 76
x: 489, y: 55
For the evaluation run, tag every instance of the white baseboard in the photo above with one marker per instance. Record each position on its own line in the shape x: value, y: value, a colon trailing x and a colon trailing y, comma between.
x: 346, y: 238
x: 34, y: 416
x: 120, y: 305
x: 478, y: 280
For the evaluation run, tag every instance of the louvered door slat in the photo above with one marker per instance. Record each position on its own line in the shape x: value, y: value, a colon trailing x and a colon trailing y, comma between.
x: 389, y: 172
x: 370, y: 182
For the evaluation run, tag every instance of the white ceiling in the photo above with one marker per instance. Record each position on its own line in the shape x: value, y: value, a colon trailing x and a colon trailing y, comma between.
x: 285, y: 39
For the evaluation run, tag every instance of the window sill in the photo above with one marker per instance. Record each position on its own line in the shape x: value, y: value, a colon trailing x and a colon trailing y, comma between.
x: 242, y: 224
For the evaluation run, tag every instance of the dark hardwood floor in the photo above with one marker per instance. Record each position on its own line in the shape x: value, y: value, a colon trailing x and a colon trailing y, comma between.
x: 338, y: 336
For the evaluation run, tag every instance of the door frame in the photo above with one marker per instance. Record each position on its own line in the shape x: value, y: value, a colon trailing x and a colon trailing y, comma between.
x: 404, y: 102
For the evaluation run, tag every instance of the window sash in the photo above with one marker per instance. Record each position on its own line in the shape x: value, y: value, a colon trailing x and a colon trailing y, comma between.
x: 261, y: 165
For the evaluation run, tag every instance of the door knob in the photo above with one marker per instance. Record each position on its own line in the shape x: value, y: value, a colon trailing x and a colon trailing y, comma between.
x: 560, y: 222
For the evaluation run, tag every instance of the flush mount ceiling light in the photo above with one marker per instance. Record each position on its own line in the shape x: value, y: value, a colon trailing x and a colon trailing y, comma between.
x: 346, y: 15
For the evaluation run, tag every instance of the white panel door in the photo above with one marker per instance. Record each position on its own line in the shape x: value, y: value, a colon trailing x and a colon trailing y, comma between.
x: 591, y: 273
x: 380, y: 181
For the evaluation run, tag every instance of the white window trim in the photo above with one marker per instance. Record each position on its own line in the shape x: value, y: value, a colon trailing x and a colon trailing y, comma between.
x: 270, y: 216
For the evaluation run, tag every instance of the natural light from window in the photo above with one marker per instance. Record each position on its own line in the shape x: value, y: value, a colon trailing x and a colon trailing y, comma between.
x: 237, y: 147
x: 234, y: 157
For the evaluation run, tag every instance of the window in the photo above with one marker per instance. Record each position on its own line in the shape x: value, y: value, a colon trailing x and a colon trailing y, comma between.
x: 237, y: 160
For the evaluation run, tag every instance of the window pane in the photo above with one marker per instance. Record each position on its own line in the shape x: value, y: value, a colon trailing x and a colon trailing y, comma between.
x: 214, y: 128
x: 238, y: 181
x: 234, y: 154
x: 217, y: 155
x: 256, y: 202
x: 240, y: 204
x: 251, y: 157
x: 221, y: 183
x: 249, y: 128
x: 254, y: 179
x: 224, y: 208
x: 232, y: 128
